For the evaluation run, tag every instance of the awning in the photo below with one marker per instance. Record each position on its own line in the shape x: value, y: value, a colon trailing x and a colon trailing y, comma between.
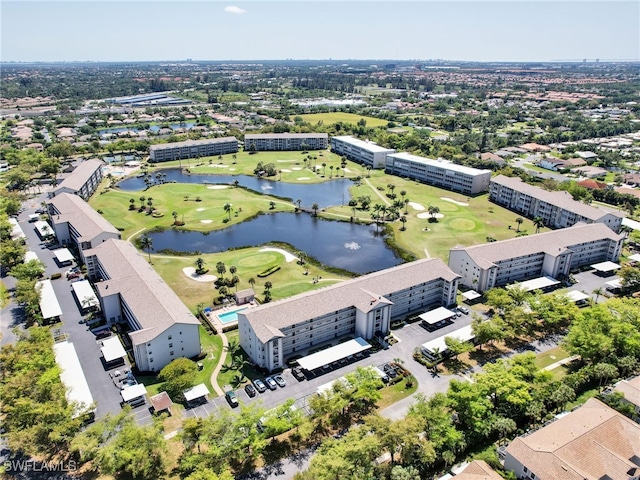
x: 463, y: 334
x: 605, y: 266
x: 614, y: 284
x: 471, y: 295
x: 161, y: 402
x: 134, y: 391
x: 63, y: 255
x: 198, y: 391
x: 535, y: 284
x: 49, y: 305
x: 635, y: 257
x: 577, y: 296
x: 29, y: 255
x: 85, y: 294
x: 434, y: 316
x: 112, y: 349
x: 329, y: 355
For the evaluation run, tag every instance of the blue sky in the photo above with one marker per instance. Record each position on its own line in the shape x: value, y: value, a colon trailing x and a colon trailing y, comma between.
x: 474, y: 30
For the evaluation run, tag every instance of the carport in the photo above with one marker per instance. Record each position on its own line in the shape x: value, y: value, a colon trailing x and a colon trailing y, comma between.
x: 438, y: 315
x: 605, y: 267
x: 430, y: 348
x: 112, y: 349
x: 133, y: 393
x: 161, y: 402
x: 195, y: 393
x: 49, y: 305
x: 470, y: 296
x: 635, y: 257
x: 85, y: 295
x: 63, y: 256
x: 540, y: 283
x: 577, y: 296
x: 333, y: 354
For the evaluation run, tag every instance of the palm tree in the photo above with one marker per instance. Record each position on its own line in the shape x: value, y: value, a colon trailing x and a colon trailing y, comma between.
x: 598, y: 291
x: 132, y: 204
x: 433, y: 210
x: 235, y: 280
x: 406, y: 206
x: 315, y: 207
x: 175, y: 216
x: 538, y: 222
x: 267, y: 286
x: 147, y: 244
x: 236, y: 182
x: 519, y: 221
x: 299, y: 202
x: 252, y: 282
x: 324, y: 169
x: 402, y: 194
x: 331, y: 171
x: 199, y: 265
x: 220, y: 268
x: 227, y: 208
x: 272, y: 205
x: 403, y: 219
x: 233, y: 269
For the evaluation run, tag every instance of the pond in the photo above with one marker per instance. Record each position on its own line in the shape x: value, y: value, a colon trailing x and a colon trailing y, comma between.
x: 333, y: 192
x: 356, y: 248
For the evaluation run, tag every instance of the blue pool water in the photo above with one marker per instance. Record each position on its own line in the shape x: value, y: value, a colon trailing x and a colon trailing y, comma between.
x: 229, y: 317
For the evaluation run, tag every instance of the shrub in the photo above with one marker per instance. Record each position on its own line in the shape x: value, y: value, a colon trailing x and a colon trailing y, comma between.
x: 55, y: 276
x: 269, y: 271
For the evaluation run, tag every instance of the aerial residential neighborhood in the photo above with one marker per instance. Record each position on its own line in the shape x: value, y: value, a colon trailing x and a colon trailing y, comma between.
x: 329, y: 258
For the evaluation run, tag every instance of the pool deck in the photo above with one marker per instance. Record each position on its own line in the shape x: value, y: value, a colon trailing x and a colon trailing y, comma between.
x: 215, y: 320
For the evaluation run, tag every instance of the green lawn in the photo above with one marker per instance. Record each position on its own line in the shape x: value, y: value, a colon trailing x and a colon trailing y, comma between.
x: 4, y: 295
x: 394, y: 393
x: 344, y: 117
x: 581, y: 399
x: 550, y: 356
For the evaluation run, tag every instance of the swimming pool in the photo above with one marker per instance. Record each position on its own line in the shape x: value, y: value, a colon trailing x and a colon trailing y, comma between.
x: 229, y: 317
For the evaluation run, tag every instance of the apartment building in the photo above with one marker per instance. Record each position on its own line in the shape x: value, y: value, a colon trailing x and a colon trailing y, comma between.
x: 83, y: 181
x: 363, y: 307
x: 554, y: 254
x: 77, y: 224
x: 192, y: 149
x: 160, y: 327
x: 285, y: 141
x: 439, y: 173
x: 361, y: 151
x: 557, y: 209
x: 593, y: 442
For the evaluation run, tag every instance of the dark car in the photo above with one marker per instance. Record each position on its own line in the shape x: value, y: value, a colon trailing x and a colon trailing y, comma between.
x: 280, y: 381
x: 260, y: 386
x: 232, y: 398
x: 250, y: 389
x: 103, y: 334
x: 389, y: 370
x: 297, y: 373
x: 271, y: 383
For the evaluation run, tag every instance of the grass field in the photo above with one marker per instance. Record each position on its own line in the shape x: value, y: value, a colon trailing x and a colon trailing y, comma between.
x: 550, y: 357
x: 394, y: 393
x: 344, y: 117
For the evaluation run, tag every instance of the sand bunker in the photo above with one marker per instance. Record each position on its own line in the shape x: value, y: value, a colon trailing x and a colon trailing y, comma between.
x: 303, y: 178
x: 200, y: 209
x: 219, y: 166
x: 428, y: 215
x: 206, y: 221
x: 346, y: 170
x: 285, y: 170
x: 217, y: 187
x: 447, y: 199
x: 191, y: 273
x: 416, y: 206
x: 287, y: 256
x: 296, y: 168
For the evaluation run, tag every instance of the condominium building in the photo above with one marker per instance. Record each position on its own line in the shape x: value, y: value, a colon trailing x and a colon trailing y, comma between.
x: 552, y: 254
x: 285, y: 141
x: 83, y: 181
x: 593, y: 442
x: 361, y: 151
x: 439, y: 173
x: 160, y: 327
x: 77, y: 224
x: 557, y: 209
x: 210, y: 147
x: 363, y: 307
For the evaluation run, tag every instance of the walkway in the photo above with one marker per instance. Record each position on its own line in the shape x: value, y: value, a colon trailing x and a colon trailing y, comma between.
x: 561, y: 362
x: 384, y: 199
x: 216, y: 371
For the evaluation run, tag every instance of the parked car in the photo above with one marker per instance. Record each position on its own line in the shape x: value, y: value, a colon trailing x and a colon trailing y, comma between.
x: 271, y: 383
x: 389, y: 370
x: 297, y: 373
x: 464, y: 310
x: 280, y: 381
x: 103, y: 334
x: 250, y: 389
x: 232, y: 398
x: 260, y: 386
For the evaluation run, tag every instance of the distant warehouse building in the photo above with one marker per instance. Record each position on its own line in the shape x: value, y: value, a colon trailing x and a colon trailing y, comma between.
x: 361, y: 151
x: 552, y: 254
x: 160, y: 327
x: 166, y: 152
x: 363, y: 307
x: 83, y: 181
x: 557, y: 209
x: 262, y: 142
x: 439, y: 173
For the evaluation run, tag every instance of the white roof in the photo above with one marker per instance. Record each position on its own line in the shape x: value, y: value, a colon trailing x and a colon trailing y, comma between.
x: 614, y: 283
x: 63, y: 255
x: 72, y: 376
x: 16, y: 229
x: 437, y: 315
x: 49, y: 305
x: 29, y: 255
x: 577, y: 295
x: 463, y: 334
x: 43, y: 228
x: 535, y: 283
x: 606, y: 266
x: 328, y: 386
x: 198, y: 391
x: 85, y: 294
x: 632, y: 224
x: 325, y: 357
x: 112, y: 349
x: 440, y: 163
x: 134, y: 391
x: 471, y: 295
x: 635, y: 257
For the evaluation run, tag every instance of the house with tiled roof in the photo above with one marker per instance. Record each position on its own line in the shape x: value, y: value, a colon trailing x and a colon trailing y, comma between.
x: 478, y: 470
x: 592, y: 184
x: 630, y: 391
x: 362, y: 307
x: 593, y: 442
x: 132, y: 294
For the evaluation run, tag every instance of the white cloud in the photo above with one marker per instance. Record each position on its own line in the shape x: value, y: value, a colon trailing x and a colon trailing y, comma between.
x: 235, y: 10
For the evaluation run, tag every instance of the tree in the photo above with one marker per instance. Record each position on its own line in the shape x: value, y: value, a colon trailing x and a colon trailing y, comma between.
x: 228, y: 209
x: 272, y: 205
x: 403, y: 219
x: 132, y: 204
x: 456, y: 347
x: 12, y: 253
x: 30, y: 270
x: 433, y: 211
x: 519, y: 221
x: 252, y: 282
x: 221, y: 268
x: 630, y: 278
x: 538, y: 222
x: 174, y: 214
x: 315, y: 207
x: 488, y: 331
x: 147, y: 244
x: 178, y: 376
x: 200, y: 263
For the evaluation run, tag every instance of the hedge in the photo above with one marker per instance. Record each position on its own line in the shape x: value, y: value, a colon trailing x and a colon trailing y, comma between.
x: 269, y: 271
